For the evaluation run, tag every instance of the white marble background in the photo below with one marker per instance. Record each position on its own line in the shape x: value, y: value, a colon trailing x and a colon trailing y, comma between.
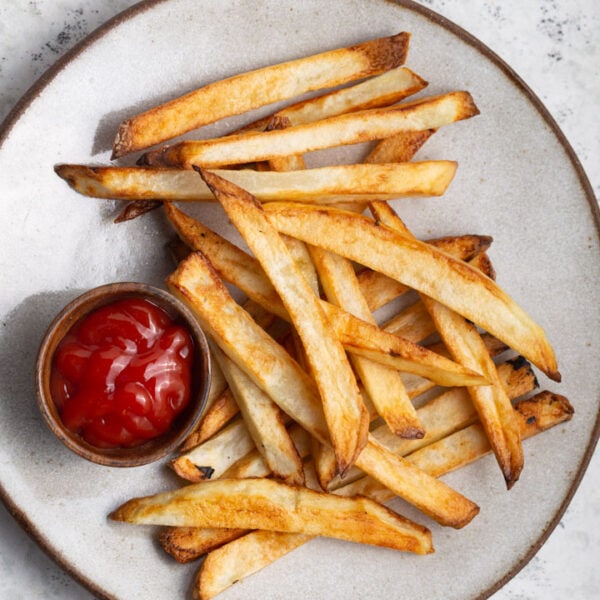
x: 552, y: 44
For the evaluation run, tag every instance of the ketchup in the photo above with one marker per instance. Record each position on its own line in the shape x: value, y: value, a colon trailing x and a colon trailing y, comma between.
x: 122, y: 374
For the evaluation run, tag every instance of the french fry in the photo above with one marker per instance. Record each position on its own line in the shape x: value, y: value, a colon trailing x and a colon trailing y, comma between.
x: 360, y: 337
x: 412, y: 323
x: 273, y: 506
x: 422, y: 267
x: 221, y: 407
x: 393, y: 86
x: 216, y: 416
x: 383, y: 384
x: 253, y: 465
x: 382, y: 90
x: 186, y: 544
x: 301, y: 257
x: 225, y: 321
x: 431, y: 496
x: 244, y: 92
x: 294, y: 162
x: 379, y: 289
x: 135, y: 209
x: 483, y: 263
x: 351, y: 128
x: 243, y: 271
x: 223, y: 567
x: 213, y: 457
x: 365, y: 339
x: 345, y: 414
x: 234, y: 561
x: 400, y: 147
x: 465, y: 344
x: 323, y: 185
x: 217, y: 384
x: 324, y: 463
x: 442, y: 415
x: 493, y: 405
x: 265, y: 423
x: 324, y: 458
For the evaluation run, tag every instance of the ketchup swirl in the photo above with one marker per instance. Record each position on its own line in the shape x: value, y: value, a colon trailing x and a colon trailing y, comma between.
x: 122, y: 374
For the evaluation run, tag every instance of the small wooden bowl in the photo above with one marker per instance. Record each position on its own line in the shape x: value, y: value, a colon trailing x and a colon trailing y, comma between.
x: 183, y: 425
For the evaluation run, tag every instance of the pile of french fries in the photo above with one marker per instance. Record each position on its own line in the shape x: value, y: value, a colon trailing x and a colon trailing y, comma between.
x: 319, y: 412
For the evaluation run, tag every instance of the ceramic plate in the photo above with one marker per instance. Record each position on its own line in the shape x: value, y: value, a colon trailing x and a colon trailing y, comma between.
x: 518, y: 181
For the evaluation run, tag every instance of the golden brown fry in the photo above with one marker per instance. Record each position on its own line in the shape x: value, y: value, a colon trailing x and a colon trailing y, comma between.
x: 216, y: 416
x: 400, y: 147
x: 448, y: 412
x: 365, y: 339
x: 253, y: 465
x: 221, y: 407
x: 542, y: 411
x: 243, y: 270
x: 265, y: 423
x: 301, y: 256
x: 441, y: 415
x: 345, y: 414
x: 379, y: 289
x: 324, y: 185
x: 186, y: 544
x: 213, y: 457
x: 351, y: 128
x: 382, y: 384
x: 483, y: 263
x: 493, y: 405
x: 191, y: 287
x: 383, y: 90
x: 135, y: 209
x: 247, y: 555
x: 244, y: 92
x: 412, y: 323
x: 433, y: 497
x: 291, y: 162
x: 324, y: 463
x: 466, y: 346
x: 422, y: 267
x: 273, y: 506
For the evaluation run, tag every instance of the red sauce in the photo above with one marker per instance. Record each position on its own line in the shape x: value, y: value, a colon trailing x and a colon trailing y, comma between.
x: 122, y: 374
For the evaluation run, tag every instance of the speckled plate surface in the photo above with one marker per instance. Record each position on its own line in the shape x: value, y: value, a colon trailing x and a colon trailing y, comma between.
x: 518, y: 181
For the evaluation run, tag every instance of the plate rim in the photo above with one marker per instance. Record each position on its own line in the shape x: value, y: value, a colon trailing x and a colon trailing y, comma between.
x: 47, y: 77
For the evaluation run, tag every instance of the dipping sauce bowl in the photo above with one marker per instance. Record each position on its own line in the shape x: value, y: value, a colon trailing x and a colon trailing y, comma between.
x: 199, y: 371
